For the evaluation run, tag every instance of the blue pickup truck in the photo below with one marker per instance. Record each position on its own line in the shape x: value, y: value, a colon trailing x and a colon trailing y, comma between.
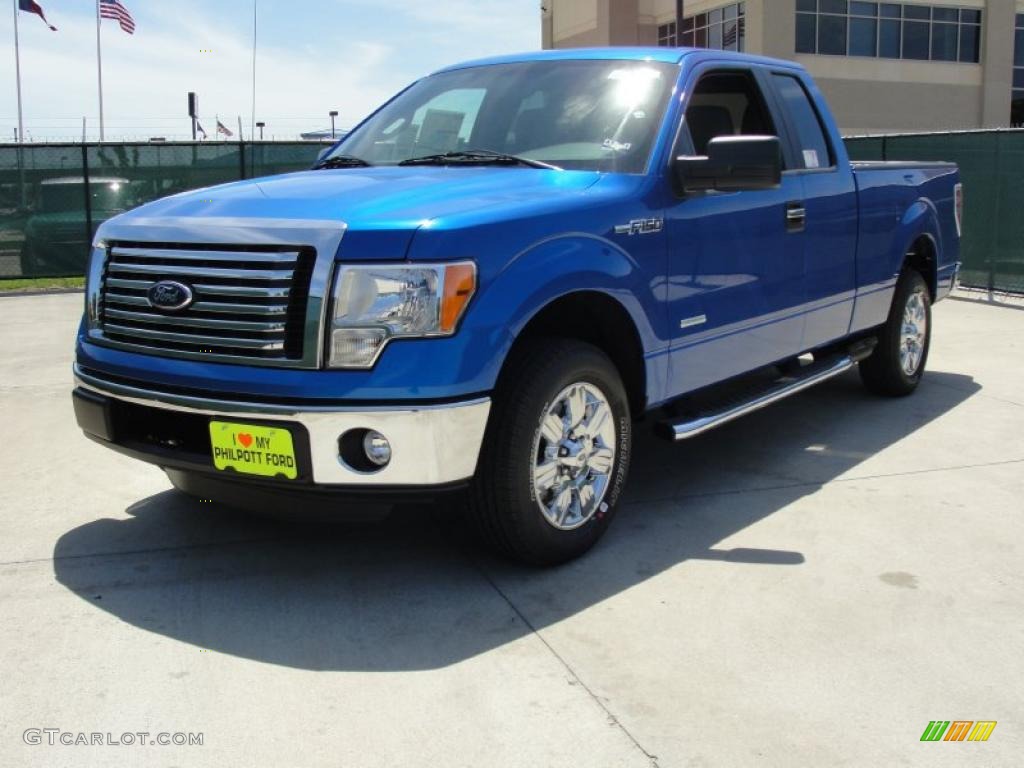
x: 484, y: 285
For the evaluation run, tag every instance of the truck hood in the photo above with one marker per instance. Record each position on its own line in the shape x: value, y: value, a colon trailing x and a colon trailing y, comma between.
x: 380, y: 207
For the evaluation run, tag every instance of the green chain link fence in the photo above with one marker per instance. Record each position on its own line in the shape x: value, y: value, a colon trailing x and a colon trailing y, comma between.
x: 53, y: 196
x: 992, y: 170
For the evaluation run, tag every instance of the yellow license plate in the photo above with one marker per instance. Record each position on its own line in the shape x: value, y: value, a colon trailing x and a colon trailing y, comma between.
x: 252, y: 450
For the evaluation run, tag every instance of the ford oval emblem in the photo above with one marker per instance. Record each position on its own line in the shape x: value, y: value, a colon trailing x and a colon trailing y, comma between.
x: 169, y: 295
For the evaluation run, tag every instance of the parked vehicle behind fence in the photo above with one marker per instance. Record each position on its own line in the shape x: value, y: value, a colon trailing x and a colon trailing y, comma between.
x: 479, y: 290
x: 58, y: 219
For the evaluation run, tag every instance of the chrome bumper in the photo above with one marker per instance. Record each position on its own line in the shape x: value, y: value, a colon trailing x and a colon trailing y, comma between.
x: 431, y: 444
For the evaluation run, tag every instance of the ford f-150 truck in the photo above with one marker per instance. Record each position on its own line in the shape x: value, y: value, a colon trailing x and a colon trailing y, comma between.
x: 490, y: 279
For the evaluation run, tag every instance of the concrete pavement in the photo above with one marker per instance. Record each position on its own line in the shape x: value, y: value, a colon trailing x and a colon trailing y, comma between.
x: 810, y: 585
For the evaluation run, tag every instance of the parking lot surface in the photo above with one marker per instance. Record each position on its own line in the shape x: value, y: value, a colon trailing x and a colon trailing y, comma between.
x: 810, y: 585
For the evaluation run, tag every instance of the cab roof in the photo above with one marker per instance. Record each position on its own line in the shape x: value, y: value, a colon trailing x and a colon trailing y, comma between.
x: 617, y: 53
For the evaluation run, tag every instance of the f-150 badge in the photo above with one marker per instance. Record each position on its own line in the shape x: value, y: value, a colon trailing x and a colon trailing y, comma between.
x: 639, y: 227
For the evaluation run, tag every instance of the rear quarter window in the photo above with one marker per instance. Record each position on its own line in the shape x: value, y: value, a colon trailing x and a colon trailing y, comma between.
x: 813, y: 151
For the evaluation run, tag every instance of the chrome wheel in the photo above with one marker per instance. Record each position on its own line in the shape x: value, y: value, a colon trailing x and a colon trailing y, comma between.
x: 574, y: 453
x: 913, y: 332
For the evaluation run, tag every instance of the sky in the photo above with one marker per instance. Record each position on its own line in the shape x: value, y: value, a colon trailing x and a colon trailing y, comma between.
x: 348, y: 55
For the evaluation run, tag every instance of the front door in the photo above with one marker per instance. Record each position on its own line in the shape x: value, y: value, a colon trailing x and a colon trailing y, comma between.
x: 736, y: 260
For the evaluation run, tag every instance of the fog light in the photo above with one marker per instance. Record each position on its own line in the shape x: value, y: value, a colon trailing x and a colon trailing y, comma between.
x: 356, y: 347
x: 377, y: 448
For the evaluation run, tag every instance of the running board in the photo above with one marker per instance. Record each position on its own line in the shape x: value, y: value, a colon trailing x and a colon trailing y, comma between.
x: 807, y: 377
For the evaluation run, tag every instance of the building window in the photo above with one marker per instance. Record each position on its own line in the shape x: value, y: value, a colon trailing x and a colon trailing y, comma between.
x: 1017, y: 100
x: 723, y: 28
x: 888, y: 30
x: 667, y: 35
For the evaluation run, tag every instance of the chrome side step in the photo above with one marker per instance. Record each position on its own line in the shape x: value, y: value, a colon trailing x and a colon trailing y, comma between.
x: 813, y: 374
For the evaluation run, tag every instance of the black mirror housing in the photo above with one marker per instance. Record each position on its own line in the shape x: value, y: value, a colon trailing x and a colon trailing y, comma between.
x: 732, y: 164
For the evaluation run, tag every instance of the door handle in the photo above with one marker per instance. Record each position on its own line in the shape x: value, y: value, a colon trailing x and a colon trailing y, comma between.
x: 796, y: 217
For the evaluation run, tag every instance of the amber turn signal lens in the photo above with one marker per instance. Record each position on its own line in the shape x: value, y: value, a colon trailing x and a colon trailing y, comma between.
x: 459, y: 286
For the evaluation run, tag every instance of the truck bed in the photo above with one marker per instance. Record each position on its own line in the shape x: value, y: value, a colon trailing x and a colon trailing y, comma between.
x: 892, y: 196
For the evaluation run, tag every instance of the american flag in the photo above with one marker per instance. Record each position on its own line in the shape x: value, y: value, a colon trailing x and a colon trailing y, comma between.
x: 112, y: 9
x: 223, y: 129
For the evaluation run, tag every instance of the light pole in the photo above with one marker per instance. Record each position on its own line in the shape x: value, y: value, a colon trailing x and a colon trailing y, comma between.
x: 260, y: 126
x: 334, y: 114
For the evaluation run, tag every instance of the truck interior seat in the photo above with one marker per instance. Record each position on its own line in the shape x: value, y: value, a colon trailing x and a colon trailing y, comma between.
x: 531, y: 129
x: 754, y: 122
x: 706, y: 123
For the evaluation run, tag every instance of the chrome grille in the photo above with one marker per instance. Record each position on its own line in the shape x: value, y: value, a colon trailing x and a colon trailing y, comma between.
x: 248, y: 303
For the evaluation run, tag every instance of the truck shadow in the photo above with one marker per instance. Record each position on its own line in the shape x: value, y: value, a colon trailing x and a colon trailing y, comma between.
x: 414, y: 592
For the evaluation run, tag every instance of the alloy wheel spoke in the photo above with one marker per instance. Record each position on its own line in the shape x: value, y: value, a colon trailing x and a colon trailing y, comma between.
x: 546, y: 474
x: 601, y: 460
x: 560, y: 504
x: 575, y: 509
x: 577, y: 403
x: 552, y: 428
x: 598, y: 420
x: 586, y: 497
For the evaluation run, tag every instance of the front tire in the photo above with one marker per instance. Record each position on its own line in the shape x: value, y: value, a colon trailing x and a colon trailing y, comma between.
x: 556, y: 453
x: 896, y: 366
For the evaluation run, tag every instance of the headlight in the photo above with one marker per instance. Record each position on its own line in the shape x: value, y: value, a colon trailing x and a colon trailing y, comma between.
x: 93, y: 275
x: 374, y: 304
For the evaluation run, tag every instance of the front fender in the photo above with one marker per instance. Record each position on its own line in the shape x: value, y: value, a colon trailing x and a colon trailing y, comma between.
x: 566, y: 264
x: 555, y: 268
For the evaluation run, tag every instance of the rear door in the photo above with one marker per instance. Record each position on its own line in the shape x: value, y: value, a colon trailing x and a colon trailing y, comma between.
x: 735, y: 264
x: 826, y: 210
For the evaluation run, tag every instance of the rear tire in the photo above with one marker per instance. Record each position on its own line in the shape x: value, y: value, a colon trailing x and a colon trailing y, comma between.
x: 555, y: 455
x: 896, y: 366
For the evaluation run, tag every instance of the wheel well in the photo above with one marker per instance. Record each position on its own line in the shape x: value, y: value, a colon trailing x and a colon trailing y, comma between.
x: 597, y: 319
x: 921, y: 257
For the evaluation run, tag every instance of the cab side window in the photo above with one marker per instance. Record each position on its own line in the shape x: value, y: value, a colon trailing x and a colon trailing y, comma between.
x: 813, y: 150
x: 727, y: 103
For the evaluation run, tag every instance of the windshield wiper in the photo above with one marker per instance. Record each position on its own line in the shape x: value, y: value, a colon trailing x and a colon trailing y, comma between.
x: 342, y: 161
x: 478, y: 157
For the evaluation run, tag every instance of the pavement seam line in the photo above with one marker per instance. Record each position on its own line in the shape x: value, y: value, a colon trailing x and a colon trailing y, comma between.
x: 978, y: 394
x: 812, y: 483
x: 205, y: 545
x: 653, y: 759
x: 152, y: 551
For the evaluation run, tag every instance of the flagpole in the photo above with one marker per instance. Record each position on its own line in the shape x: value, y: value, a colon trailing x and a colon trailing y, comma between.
x: 252, y: 131
x: 99, y: 67
x: 17, y: 69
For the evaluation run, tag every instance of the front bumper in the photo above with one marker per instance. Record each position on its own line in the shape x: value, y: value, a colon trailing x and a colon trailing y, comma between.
x: 432, y: 445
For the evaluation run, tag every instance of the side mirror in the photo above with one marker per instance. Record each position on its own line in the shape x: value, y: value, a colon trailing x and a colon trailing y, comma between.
x: 733, y: 163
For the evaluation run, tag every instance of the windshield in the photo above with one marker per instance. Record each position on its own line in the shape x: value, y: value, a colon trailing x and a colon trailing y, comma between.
x: 587, y: 115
